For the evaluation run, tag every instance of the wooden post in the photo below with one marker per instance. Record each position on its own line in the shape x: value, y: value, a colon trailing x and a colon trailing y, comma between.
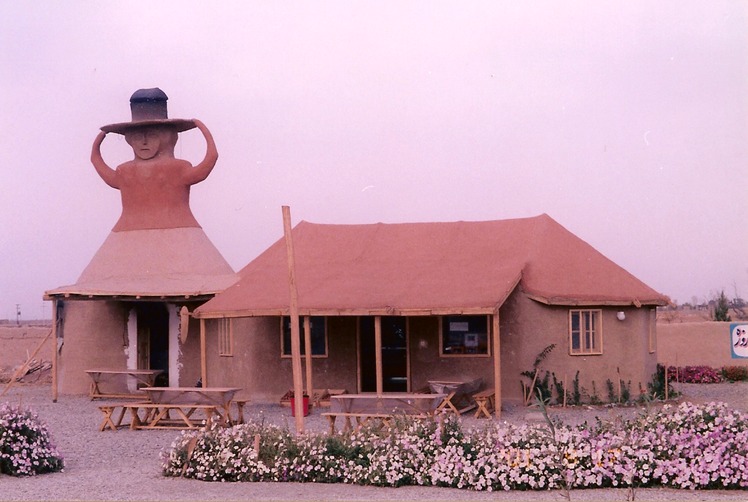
x: 203, y: 357
x: 565, y: 392
x: 308, y: 355
x: 298, y: 384
x: 378, y: 353
x: 496, y: 364
x: 618, y: 370
x: 55, y: 384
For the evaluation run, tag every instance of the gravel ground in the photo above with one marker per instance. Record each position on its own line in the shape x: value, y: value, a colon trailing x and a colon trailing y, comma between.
x: 125, y: 465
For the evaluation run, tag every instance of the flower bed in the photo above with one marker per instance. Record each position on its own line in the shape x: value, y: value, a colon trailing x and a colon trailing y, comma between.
x: 687, y: 446
x: 25, y: 447
x: 694, y: 374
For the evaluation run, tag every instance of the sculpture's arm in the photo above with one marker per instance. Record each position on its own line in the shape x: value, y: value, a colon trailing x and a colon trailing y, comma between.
x: 108, y: 174
x: 203, y: 169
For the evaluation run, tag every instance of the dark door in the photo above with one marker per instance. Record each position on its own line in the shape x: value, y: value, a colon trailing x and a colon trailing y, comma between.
x: 394, y: 355
x: 153, y: 338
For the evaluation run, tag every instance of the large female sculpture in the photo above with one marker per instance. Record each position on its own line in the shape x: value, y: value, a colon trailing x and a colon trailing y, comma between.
x: 154, y: 186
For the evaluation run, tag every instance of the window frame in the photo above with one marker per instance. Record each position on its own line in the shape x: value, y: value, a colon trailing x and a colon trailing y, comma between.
x: 225, y: 337
x: 445, y: 318
x: 285, y: 319
x: 592, y: 346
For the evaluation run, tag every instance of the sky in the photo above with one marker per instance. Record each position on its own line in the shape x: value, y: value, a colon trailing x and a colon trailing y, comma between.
x: 625, y: 121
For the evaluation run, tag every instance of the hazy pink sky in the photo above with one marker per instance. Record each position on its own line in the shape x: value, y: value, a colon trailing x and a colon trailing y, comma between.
x: 627, y: 122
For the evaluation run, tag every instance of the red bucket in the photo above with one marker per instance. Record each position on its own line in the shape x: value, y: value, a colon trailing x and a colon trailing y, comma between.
x: 306, y: 406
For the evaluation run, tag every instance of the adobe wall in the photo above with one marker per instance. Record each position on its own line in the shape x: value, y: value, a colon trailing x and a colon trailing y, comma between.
x: 527, y: 327
x: 696, y: 344
x: 95, y: 336
x: 257, y: 365
x: 189, y: 355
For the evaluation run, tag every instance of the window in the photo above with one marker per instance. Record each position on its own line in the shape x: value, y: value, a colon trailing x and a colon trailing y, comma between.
x: 464, y: 335
x: 225, y: 337
x: 585, y: 332
x: 318, y: 328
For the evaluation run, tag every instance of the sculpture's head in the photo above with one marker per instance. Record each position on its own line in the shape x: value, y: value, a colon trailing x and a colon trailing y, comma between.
x: 152, y: 141
x: 148, y: 108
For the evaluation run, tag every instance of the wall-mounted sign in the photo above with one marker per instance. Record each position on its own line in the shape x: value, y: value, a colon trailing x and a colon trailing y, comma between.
x: 739, y: 340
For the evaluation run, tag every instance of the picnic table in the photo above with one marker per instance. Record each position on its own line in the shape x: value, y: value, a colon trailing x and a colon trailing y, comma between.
x: 367, y: 406
x: 142, y: 378
x: 175, y: 407
x: 219, y: 397
x: 459, y: 394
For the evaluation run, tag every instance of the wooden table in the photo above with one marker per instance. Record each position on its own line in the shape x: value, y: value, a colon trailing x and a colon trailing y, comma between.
x: 143, y: 378
x: 220, y: 398
x: 458, y: 394
x: 366, y: 406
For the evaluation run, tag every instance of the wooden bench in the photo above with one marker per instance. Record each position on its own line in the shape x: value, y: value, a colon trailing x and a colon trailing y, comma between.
x: 485, y: 401
x: 239, y: 410
x: 159, y: 415
x: 361, y: 419
x: 110, y: 421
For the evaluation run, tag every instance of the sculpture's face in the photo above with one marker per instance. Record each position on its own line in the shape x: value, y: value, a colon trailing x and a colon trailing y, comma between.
x: 148, y: 142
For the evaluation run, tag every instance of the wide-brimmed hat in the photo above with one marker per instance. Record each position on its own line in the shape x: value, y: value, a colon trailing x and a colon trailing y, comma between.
x: 148, y: 107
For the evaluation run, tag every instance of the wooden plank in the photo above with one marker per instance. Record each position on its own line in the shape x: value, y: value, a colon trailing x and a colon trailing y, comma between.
x: 55, y: 362
x: 203, y: 357
x: 497, y: 363
x: 308, y: 358
x: 378, y: 354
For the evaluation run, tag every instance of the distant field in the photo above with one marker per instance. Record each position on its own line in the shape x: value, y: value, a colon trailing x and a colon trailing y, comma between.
x: 18, y: 342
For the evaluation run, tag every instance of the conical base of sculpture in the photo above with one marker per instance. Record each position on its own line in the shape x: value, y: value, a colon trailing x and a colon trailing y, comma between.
x: 159, y: 262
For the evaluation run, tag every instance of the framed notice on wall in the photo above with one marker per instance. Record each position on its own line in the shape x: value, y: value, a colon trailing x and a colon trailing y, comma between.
x: 739, y: 340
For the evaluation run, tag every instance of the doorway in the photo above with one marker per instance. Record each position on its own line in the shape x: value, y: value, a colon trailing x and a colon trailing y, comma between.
x: 153, y: 339
x: 394, y: 355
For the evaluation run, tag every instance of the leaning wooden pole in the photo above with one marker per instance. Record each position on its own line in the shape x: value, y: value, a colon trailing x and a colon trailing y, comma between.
x: 298, y: 384
x: 22, y: 369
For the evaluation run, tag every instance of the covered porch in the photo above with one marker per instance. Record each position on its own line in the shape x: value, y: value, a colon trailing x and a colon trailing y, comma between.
x: 357, y: 353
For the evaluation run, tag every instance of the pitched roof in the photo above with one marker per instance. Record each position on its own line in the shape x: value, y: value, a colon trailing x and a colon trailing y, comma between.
x: 173, y: 262
x: 422, y: 268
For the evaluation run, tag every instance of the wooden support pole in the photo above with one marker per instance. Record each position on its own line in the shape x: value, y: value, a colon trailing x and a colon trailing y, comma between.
x: 298, y: 384
x: 618, y: 371
x: 308, y: 355
x: 203, y: 357
x: 565, y: 392
x: 55, y: 362
x: 378, y: 353
x: 496, y: 364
